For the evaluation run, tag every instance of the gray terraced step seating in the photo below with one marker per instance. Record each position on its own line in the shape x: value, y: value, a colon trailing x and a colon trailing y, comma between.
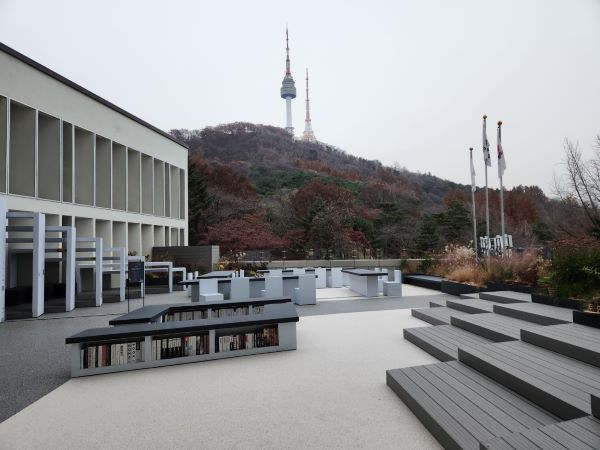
x: 473, y: 306
x: 437, y: 303
x: 505, y: 296
x: 577, y: 341
x: 470, y: 296
x: 442, y: 341
x: 437, y: 315
x: 579, y: 434
x: 461, y: 407
x: 495, y: 327
x: 536, y: 313
x: 557, y: 383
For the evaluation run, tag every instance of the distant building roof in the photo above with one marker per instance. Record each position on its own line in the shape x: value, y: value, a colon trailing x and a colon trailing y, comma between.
x: 73, y: 85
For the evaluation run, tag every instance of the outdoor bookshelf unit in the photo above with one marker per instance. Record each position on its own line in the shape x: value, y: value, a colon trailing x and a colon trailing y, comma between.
x: 195, y: 311
x: 185, y: 341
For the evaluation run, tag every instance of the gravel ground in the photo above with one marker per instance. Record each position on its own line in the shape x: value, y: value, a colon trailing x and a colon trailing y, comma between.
x: 35, y: 360
x: 330, y: 393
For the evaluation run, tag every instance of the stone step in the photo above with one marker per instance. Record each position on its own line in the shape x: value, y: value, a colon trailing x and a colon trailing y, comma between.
x: 506, y: 297
x: 437, y: 315
x: 576, y: 434
x: 573, y: 340
x: 536, y: 313
x: 463, y: 408
x: 442, y: 341
x: 495, y: 327
x: 557, y: 383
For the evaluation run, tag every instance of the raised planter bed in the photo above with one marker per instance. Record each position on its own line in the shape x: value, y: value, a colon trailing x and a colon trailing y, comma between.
x: 590, y: 319
x: 561, y: 302
x: 498, y: 286
x: 455, y: 288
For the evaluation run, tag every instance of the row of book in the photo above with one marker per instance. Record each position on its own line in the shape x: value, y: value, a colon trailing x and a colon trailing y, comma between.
x: 177, y: 316
x: 231, y: 312
x: 177, y: 347
x: 263, y: 337
x: 112, y: 354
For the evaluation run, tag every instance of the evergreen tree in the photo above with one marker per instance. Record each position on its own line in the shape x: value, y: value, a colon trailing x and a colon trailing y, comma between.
x: 199, y: 204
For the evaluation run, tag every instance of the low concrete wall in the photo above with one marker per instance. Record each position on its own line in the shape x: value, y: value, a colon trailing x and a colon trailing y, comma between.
x: 358, y: 263
x: 201, y: 258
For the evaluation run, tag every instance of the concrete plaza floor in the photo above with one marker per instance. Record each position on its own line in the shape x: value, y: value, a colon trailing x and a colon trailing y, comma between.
x: 330, y: 393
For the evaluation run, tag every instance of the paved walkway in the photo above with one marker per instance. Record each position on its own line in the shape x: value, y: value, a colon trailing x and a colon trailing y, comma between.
x: 35, y: 359
x: 330, y: 393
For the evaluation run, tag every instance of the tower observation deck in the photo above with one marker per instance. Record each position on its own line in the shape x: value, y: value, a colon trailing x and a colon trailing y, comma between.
x: 288, y: 87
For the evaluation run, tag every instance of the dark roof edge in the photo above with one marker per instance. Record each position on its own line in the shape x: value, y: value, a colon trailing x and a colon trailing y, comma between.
x: 21, y: 57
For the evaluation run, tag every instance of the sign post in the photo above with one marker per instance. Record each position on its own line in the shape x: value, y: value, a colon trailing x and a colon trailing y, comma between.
x: 135, y: 276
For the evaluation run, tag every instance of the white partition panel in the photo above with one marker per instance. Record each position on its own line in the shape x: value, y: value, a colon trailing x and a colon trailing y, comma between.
x: 3, y: 211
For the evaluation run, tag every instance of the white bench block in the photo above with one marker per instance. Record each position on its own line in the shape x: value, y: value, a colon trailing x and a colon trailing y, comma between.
x: 392, y: 288
x: 273, y: 286
x: 240, y: 288
x: 204, y: 298
x: 306, y: 292
x: 335, y: 277
x: 321, y: 274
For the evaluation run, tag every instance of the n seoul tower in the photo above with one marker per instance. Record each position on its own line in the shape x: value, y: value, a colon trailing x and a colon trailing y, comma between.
x: 288, y: 87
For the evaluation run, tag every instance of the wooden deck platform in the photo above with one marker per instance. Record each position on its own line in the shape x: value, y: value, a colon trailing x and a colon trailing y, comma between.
x: 580, y: 434
x: 536, y: 313
x: 573, y: 340
x: 442, y: 341
x: 462, y: 408
x: 472, y: 306
x: 560, y: 384
x: 437, y: 315
x: 495, y: 327
x: 505, y: 297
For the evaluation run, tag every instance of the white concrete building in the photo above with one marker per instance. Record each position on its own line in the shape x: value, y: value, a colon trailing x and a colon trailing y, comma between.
x: 85, y: 162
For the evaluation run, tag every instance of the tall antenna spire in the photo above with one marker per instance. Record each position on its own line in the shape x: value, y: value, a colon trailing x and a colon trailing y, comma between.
x: 308, y: 134
x: 288, y: 87
x: 288, y: 70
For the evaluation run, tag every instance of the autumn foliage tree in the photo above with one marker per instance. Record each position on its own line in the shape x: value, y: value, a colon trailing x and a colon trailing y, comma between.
x: 248, y: 232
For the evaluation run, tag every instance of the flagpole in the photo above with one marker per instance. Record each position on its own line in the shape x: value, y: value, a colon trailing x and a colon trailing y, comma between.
x: 487, y: 202
x: 501, y: 195
x: 473, y: 203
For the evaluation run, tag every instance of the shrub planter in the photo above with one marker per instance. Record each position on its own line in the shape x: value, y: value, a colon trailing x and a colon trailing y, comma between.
x: 499, y: 286
x: 454, y: 288
x: 561, y: 302
x: 422, y: 280
x: 590, y: 319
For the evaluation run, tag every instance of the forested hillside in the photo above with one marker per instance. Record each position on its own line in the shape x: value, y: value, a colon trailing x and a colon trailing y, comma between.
x: 254, y: 187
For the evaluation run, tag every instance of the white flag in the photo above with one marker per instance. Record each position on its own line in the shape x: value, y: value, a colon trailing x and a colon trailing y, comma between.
x: 501, y: 158
x: 487, y: 159
x: 472, y: 173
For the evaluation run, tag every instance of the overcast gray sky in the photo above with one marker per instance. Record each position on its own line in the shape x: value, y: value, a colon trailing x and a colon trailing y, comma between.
x: 398, y: 81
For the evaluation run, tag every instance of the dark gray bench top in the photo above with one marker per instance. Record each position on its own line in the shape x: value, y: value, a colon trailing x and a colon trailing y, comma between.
x: 558, y: 383
x: 149, y: 313
x: 364, y: 272
x: 495, y: 327
x: 577, y: 341
x: 536, y: 313
x: 437, y: 315
x: 274, y: 313
x: 424, y: 277
x: 442, y: 341
x: 576, y: 434
x: 462, y: 408
x: 219, y: 274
